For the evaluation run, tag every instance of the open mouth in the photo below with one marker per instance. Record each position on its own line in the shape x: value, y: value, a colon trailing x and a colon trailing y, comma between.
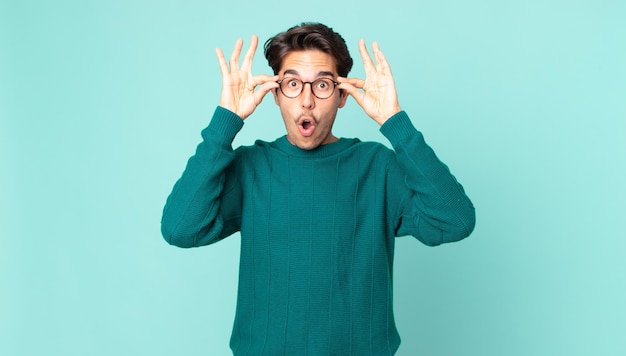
x: 307, y: 126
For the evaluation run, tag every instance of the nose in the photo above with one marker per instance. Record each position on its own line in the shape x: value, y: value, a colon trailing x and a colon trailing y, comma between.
x: 308, y: 99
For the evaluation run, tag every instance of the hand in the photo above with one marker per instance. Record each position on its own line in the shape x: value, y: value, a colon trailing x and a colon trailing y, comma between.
x: 377, y: 96
x: 238, y: 83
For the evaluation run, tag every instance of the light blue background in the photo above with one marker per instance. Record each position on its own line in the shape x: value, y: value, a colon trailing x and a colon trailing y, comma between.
x: 101, y: 104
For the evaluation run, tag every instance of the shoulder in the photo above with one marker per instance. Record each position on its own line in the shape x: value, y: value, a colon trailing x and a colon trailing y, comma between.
x: 371, y: 154
x: 373, y: 148
x: 247, y: 151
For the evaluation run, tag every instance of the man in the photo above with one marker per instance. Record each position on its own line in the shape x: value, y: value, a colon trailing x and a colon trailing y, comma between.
x: 317, y: 214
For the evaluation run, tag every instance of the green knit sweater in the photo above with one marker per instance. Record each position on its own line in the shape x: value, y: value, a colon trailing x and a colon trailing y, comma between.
x: 317, y: 231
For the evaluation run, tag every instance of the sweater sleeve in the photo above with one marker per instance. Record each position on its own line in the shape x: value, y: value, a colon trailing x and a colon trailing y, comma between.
x: 197, y: 211
x: 434, y: 208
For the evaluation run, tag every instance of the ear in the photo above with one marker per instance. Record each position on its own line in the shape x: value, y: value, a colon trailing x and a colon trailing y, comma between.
x: 275, y: 92
x: 343, y: 97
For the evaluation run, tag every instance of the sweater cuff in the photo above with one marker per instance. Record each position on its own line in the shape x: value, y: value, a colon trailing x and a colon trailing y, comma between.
x: 398, y: 127
x: 225, y: 123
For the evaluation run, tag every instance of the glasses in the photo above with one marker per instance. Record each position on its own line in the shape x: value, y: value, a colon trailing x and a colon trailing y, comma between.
x: 322, y: 88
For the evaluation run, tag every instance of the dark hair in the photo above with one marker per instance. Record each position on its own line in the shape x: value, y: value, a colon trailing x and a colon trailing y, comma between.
x: 308, y: 35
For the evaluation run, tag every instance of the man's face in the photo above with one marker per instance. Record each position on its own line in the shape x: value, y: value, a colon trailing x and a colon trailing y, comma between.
x: 308, y: 119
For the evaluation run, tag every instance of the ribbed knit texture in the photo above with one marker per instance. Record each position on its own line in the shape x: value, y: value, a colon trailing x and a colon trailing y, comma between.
x: 317, y: 231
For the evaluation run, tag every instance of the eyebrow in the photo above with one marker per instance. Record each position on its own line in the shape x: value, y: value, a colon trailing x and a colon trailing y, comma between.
x: 319, y: 74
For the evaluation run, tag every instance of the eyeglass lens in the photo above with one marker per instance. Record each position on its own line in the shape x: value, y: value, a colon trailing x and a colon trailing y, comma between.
x: 322, y: 87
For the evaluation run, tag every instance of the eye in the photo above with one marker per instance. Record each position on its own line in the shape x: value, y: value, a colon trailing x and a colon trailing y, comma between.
x: 293, y: 83
x: 323, y: 84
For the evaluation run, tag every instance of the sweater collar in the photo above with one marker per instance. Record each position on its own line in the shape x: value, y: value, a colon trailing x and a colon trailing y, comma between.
x: 327, y: 150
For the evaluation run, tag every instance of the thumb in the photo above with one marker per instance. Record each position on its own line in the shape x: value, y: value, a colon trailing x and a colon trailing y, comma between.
x: 351, y: 86
x: 260, y: 93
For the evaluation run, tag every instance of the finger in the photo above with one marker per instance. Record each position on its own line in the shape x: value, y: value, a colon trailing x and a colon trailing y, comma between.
x: 382, y: 64
x: 357, y: 82
x: 353, y: 91
x: 349, y: 88
x: 365, y: 56
x: 263, y: 78
x: 221, y: 60
x: 234, y: 57
x: 247, y: 58
x: 263, y: 90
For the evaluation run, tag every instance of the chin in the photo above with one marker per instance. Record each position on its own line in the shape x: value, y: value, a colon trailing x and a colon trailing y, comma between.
x: 307, y: 146
x: 304, y: 143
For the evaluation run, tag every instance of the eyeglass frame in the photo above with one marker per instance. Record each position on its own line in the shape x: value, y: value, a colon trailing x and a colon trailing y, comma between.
x: 335, y: 83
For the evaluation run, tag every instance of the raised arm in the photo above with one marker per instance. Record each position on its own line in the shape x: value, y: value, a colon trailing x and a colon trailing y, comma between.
x: 434, y: 207
x: 203, y: 205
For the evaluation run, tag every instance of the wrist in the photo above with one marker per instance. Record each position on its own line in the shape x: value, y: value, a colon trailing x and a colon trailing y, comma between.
x: 225, y: 124
x: 381, y: 119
